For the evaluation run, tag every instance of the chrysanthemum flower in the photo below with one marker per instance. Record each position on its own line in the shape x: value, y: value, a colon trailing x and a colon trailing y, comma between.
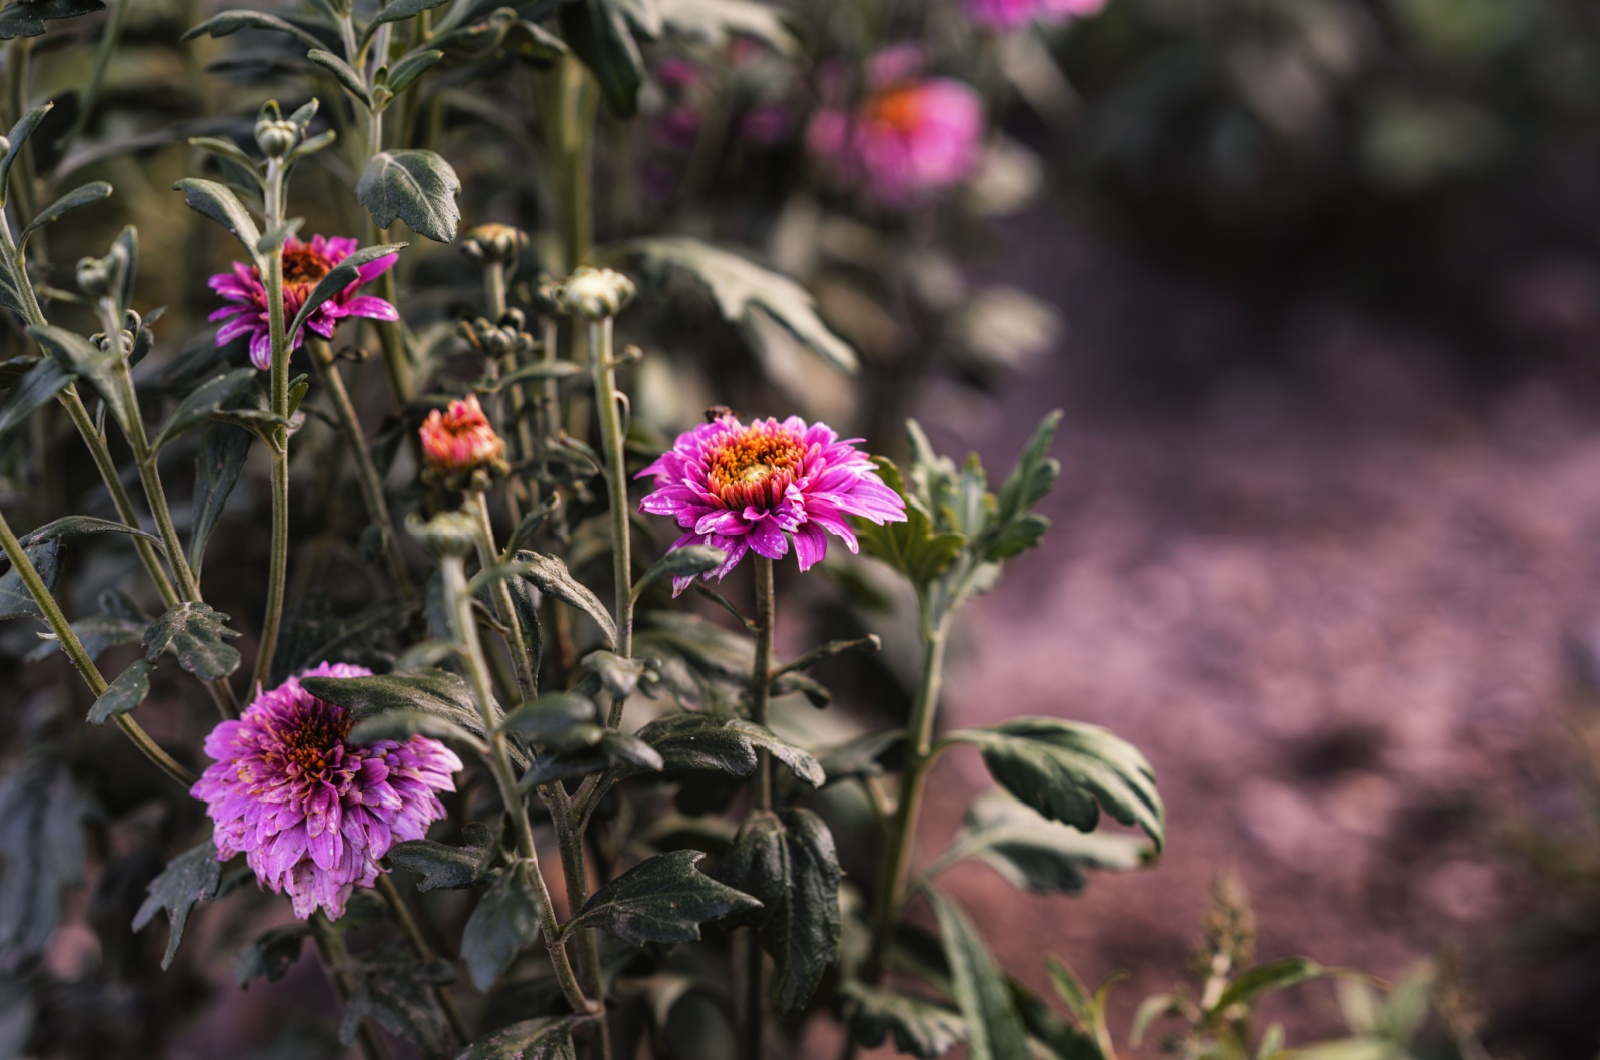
x: 458, y: 441
x: 742, y: 488
x: 1010, y: 14
x: 311, y: 812
x: 909, y: 137
x: 303, y: 265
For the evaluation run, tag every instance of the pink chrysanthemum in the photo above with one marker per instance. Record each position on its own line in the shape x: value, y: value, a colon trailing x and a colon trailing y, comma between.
x: 1010, y: 14
x: 303, y: 265
x: 311, y: 812
x: 909, y: 137
x: 459, y: 440
x: 742, y: 488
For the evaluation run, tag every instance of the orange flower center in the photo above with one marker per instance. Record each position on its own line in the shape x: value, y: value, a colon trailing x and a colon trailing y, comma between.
x: 308, y: 745
x: 749, y: 466
x: 900, y: 109
x: 302, y: 264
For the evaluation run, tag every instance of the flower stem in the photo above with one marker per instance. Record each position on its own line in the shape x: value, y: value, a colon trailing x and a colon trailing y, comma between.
x: 569, y: 833
x: 611, y: 433
x: 366, y: 470
x: 516, y: 642
x: 278, y: 568
x: 334, y: 956
x: 760, y: 794
x: 79, y: 657
x: 421, y: 947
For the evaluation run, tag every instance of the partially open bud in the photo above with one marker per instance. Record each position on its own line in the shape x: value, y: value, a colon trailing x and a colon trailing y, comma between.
x: 459, y: 447
x: 596, y: 293
x: 276, y: 137
x: 494, y: 243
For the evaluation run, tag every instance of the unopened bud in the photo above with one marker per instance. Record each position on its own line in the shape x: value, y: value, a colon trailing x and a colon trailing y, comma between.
x: 596, y: 293
x: 96, y: 277
x: 494, y: 244
x: 276, y: 138
x: 446, y: 534
x: 459, y: 447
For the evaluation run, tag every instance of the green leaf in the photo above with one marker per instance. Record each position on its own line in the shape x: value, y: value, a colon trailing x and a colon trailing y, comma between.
x: 227, y: 22
x: 742, y: 290
x: 401, y: 725
x: 619, y: 752
x: 662, y: 899
x: 278, y: 235
x: 217, y: 466
x: 198, y: 637
x: 77, y: 526
x: 551, y: 721
x: 531, y: 522
x: 38, y: 797
x: 553, y: 578
x: 397, y: 992
x: 436, y: 692
x: 859, y: 757
x: 123, y: 694
x: 344, y: 73
x: 410, y: 68
x: 914, y: 548
x: 540, y: 1039
x: 597, y: 33
x: 444, y: 866
x: 611, y: 672
x: 717, y: 22
x: 788, y: 862
x: 399, y: 11
x: 204, y: 400
x: 72, y: 200
x: 100, y: 367
x: 726, y: 744
x: 269, y: 954
x: 33, y: 391
x: 218, y: 202
x: 1033, y: 477
x: 418, y: 187
x: 1151, y: 1009
x: 190, y: 878
x: 18, y: 137
x: 683, y: 562
x: 27, y: 18
x: 1038, y: 855
x: 996, y: 1031
x: 228, y: 150
x: 1268, y: 978
x: 920, y: 1027
x: 1063, y: 768
x: 96, y: 633
x: 15, y: 600
x: 503, y: 924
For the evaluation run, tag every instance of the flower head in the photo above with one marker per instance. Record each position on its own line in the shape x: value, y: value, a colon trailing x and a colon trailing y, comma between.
x: 742, y: 488
x: 458, y: 443
x: 311, y: 812
x: 909, y: 137
x: 1010, y: 14
x: 303, y: 265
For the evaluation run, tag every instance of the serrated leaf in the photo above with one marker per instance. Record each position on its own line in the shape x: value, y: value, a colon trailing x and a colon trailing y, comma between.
x: 77, y: 526
x: 914, y: 548
x: 397, y: 992
x: 190, y: 878
x: 418, y: 187
x: 662, y: 899
x: 1033, y: 477
x: 15, y: 600
x: 741, y: 289
x: 343, y: 73
x: 38, y: 797
x: 598, y: 33
x: 1068, y: 770
x: 685, y: 562
x: 436, y: 692
x: 995, y: 1030
x: 197, y: 636
x: 920, y: 1027
x: 72, y: 200
x: 725, y: 744
x: 124, y: 694
x: 18, y: 137
x: 1038, y: 855
x: 220, y: 204
x: 33, y: 391
x: 269, y: 955
x: 227, y: 22
x: 503, y: 924
x: 77, y: 354
x: 541, y: 1039
x: 788, y: 862
x: 202, y: 402
x: 553, y: 578
x: 217, y: 466
x: 443, y: 866
x: 27, y: 18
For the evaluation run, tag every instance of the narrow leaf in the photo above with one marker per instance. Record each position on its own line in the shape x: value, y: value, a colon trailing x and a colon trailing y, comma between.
x: 72, y: 200
x: 217, y: 466
x: 33, y: 391
x: 683, y: 562
x: 78, y: 525
x: 100, y: 367
x: 15, y: 600
x: 553, y: 578
x: 218, y: 202
x: 202, y: 402
x: 343, y: 73
x: 228, y: 22
x: 541, y: 1039
x: 996, y: 1032
x: 17, y: 138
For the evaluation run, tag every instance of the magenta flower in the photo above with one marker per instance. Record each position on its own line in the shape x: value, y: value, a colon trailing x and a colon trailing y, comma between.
x: 303, y: 265
x: 1010, y: 14
x: 909, y: 137
x: 311, y: 812
x: 742, y: 488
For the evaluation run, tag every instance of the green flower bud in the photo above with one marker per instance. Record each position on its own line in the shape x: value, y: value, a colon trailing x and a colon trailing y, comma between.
x: 494, y: 244
x: 446, y: 534
x: 596, y: 293
x: 276, y: 138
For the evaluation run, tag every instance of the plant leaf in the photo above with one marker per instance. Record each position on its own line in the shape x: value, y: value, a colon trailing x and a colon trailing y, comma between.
x: 270, y: 953
x: 1029, y: 482
x: 190, y: 878
x: 920, y: 1027
x: 1270, y: 977
x: 217, y: 465
x: 72, y: 200
x: 914, y: 548
x: 218, y: 202
x: 38, y: 797
x: 436, y: 692
x: 397, y: 991
x: 19, y: 133
x: 226, y: 22
x: 204, y: 400
x: 78, y: 525
x: 401, y: 725
x: 553, y: 578
x: 27, y: 18
x: 716, y: 22
x: 541, y: 1039
x: 79, y: 355
x: 344, y: 73
x: 685, y: 562
x: 38, y: 385
x: 598, y: 33
x: 410, y: 68
x: 995, y: 1030
x: 503, y: 924
x: 725, y: 744
x: 124, y: 694
x: 418, y: 187
x: 549, y: 721
x: 198, y: 637
x: 400, y: 10
x: 662, y: 899
x: 1038, y: 855
x: 619, y: 752
x: 15, y: 600
x: 443, y: 866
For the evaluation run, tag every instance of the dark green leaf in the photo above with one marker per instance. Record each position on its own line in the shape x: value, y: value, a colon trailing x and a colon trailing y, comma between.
x: 41, y: 833
x: 597, y: 33
x: 553, y: 579
x: 549, y: 720
x: 1063, y: 768
x: 123, y: 694
x: 401, y: 725
x: 204, y: 400
x: 343, y: 73
x: 100, y: 367
x: 995, y: 1030
x: 619, y: 752
x: 1058, y: 1038
x: 72, y: 200
x: 225, y: 149
x: 42, y: 382
x: 27, y: 18
x: 683, y: 562
x: 397, y: 992
x: 218, y: 202
x: 19, y: 136
x: 278, y: 235
x: 503, y: 924
x: 271, y: 953
x: 920, y: 1027
x: 662, y: 899
x: 400, y: 10
x: 1033, y: 477
x: 418, y: 187
x: 1270, y: 977
x: 198, y: 637
x: 531, y: 522
x: 96, y: 633
x: 715, y: 742
x: 788, y: 862
x: 913, y: 547
x: 533, y: 42
x: 541, y: 1039
x: 221, y: 25
x: 1038, y: 855
x: 77, y: 526
x: 444, y: 866
x: 217, y: 465
x: 860, y: 757
x: 190, y: 878
x: 410, y: 68
x: 435, y: 692
x: 15, y: 600
x: 611, y: 672
x: 743, y: 290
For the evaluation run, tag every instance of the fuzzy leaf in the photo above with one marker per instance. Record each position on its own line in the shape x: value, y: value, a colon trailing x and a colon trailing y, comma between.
x: 444, y: 866
x: 541, y: 1039
x: 77, y: 526
x: 1038, y: 855
x: 124, y: 694
x: 683, y: 562
x: 190, y: 878
x: 995, y: 1029
x: 662, y: 899
x: 19, y: 132
x: 400, y: 10
x: 397, y: 992
x: 198, y: 637
x: 920, y: 1027
x: 217, y: 466
x: 38, y: 385
x: 410, y: 68
x: 598, y: 33
x: 553, y: 578
x: 227, y: 22
x: 401, y: 725
x: 549, y: 721
x: 503, y: 924
x: 27, y: 18
x: 344, y: 73
x: 204, y: 400
x: 435, y: 692
x: 714, y: 742
x: 78, y: 354
x: 15, y: 600
x: 218, y: 202
x: 72, y: 200
x: 418, y: 187
x: 619, y: 752
x: 270, y: 954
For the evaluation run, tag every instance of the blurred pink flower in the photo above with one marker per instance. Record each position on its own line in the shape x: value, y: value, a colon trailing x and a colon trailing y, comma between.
x: 303, y: 265
x: 459, y: 440
x: 1010, y: 14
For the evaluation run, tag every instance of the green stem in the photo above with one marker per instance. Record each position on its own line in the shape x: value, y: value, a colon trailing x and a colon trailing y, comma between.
x: 366, y: 471
x: 109, y: 38
x: 569, y: 834
x: 331, y: 951
x: 607, y: 401
x: 760, y: 794
x: 424, y: 950
x: 79, y: 657
x: 516, y: 643
x: 278, y: 568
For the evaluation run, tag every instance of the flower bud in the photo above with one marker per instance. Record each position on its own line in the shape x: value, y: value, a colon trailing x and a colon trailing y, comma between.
x: 459, y: 447
x: 276, y: 138
x: 96, y: 277
x: 446, y: 534
x: 596, y: 293
x: 494, y: 244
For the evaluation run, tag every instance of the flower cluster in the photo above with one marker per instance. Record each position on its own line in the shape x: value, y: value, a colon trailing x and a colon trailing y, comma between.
x: 458, y: 443
x: 1011, y: 14
x: 743, y: 488
x: 311, y: 812
x: 303, y: 265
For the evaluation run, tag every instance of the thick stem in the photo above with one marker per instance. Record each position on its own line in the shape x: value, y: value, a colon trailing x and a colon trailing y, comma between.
x: 278, y: 567
x: 516, y: 642
x: 366, y: 471
x: 760, y: 795
x: 607, y: 401
x: 79, y: 656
